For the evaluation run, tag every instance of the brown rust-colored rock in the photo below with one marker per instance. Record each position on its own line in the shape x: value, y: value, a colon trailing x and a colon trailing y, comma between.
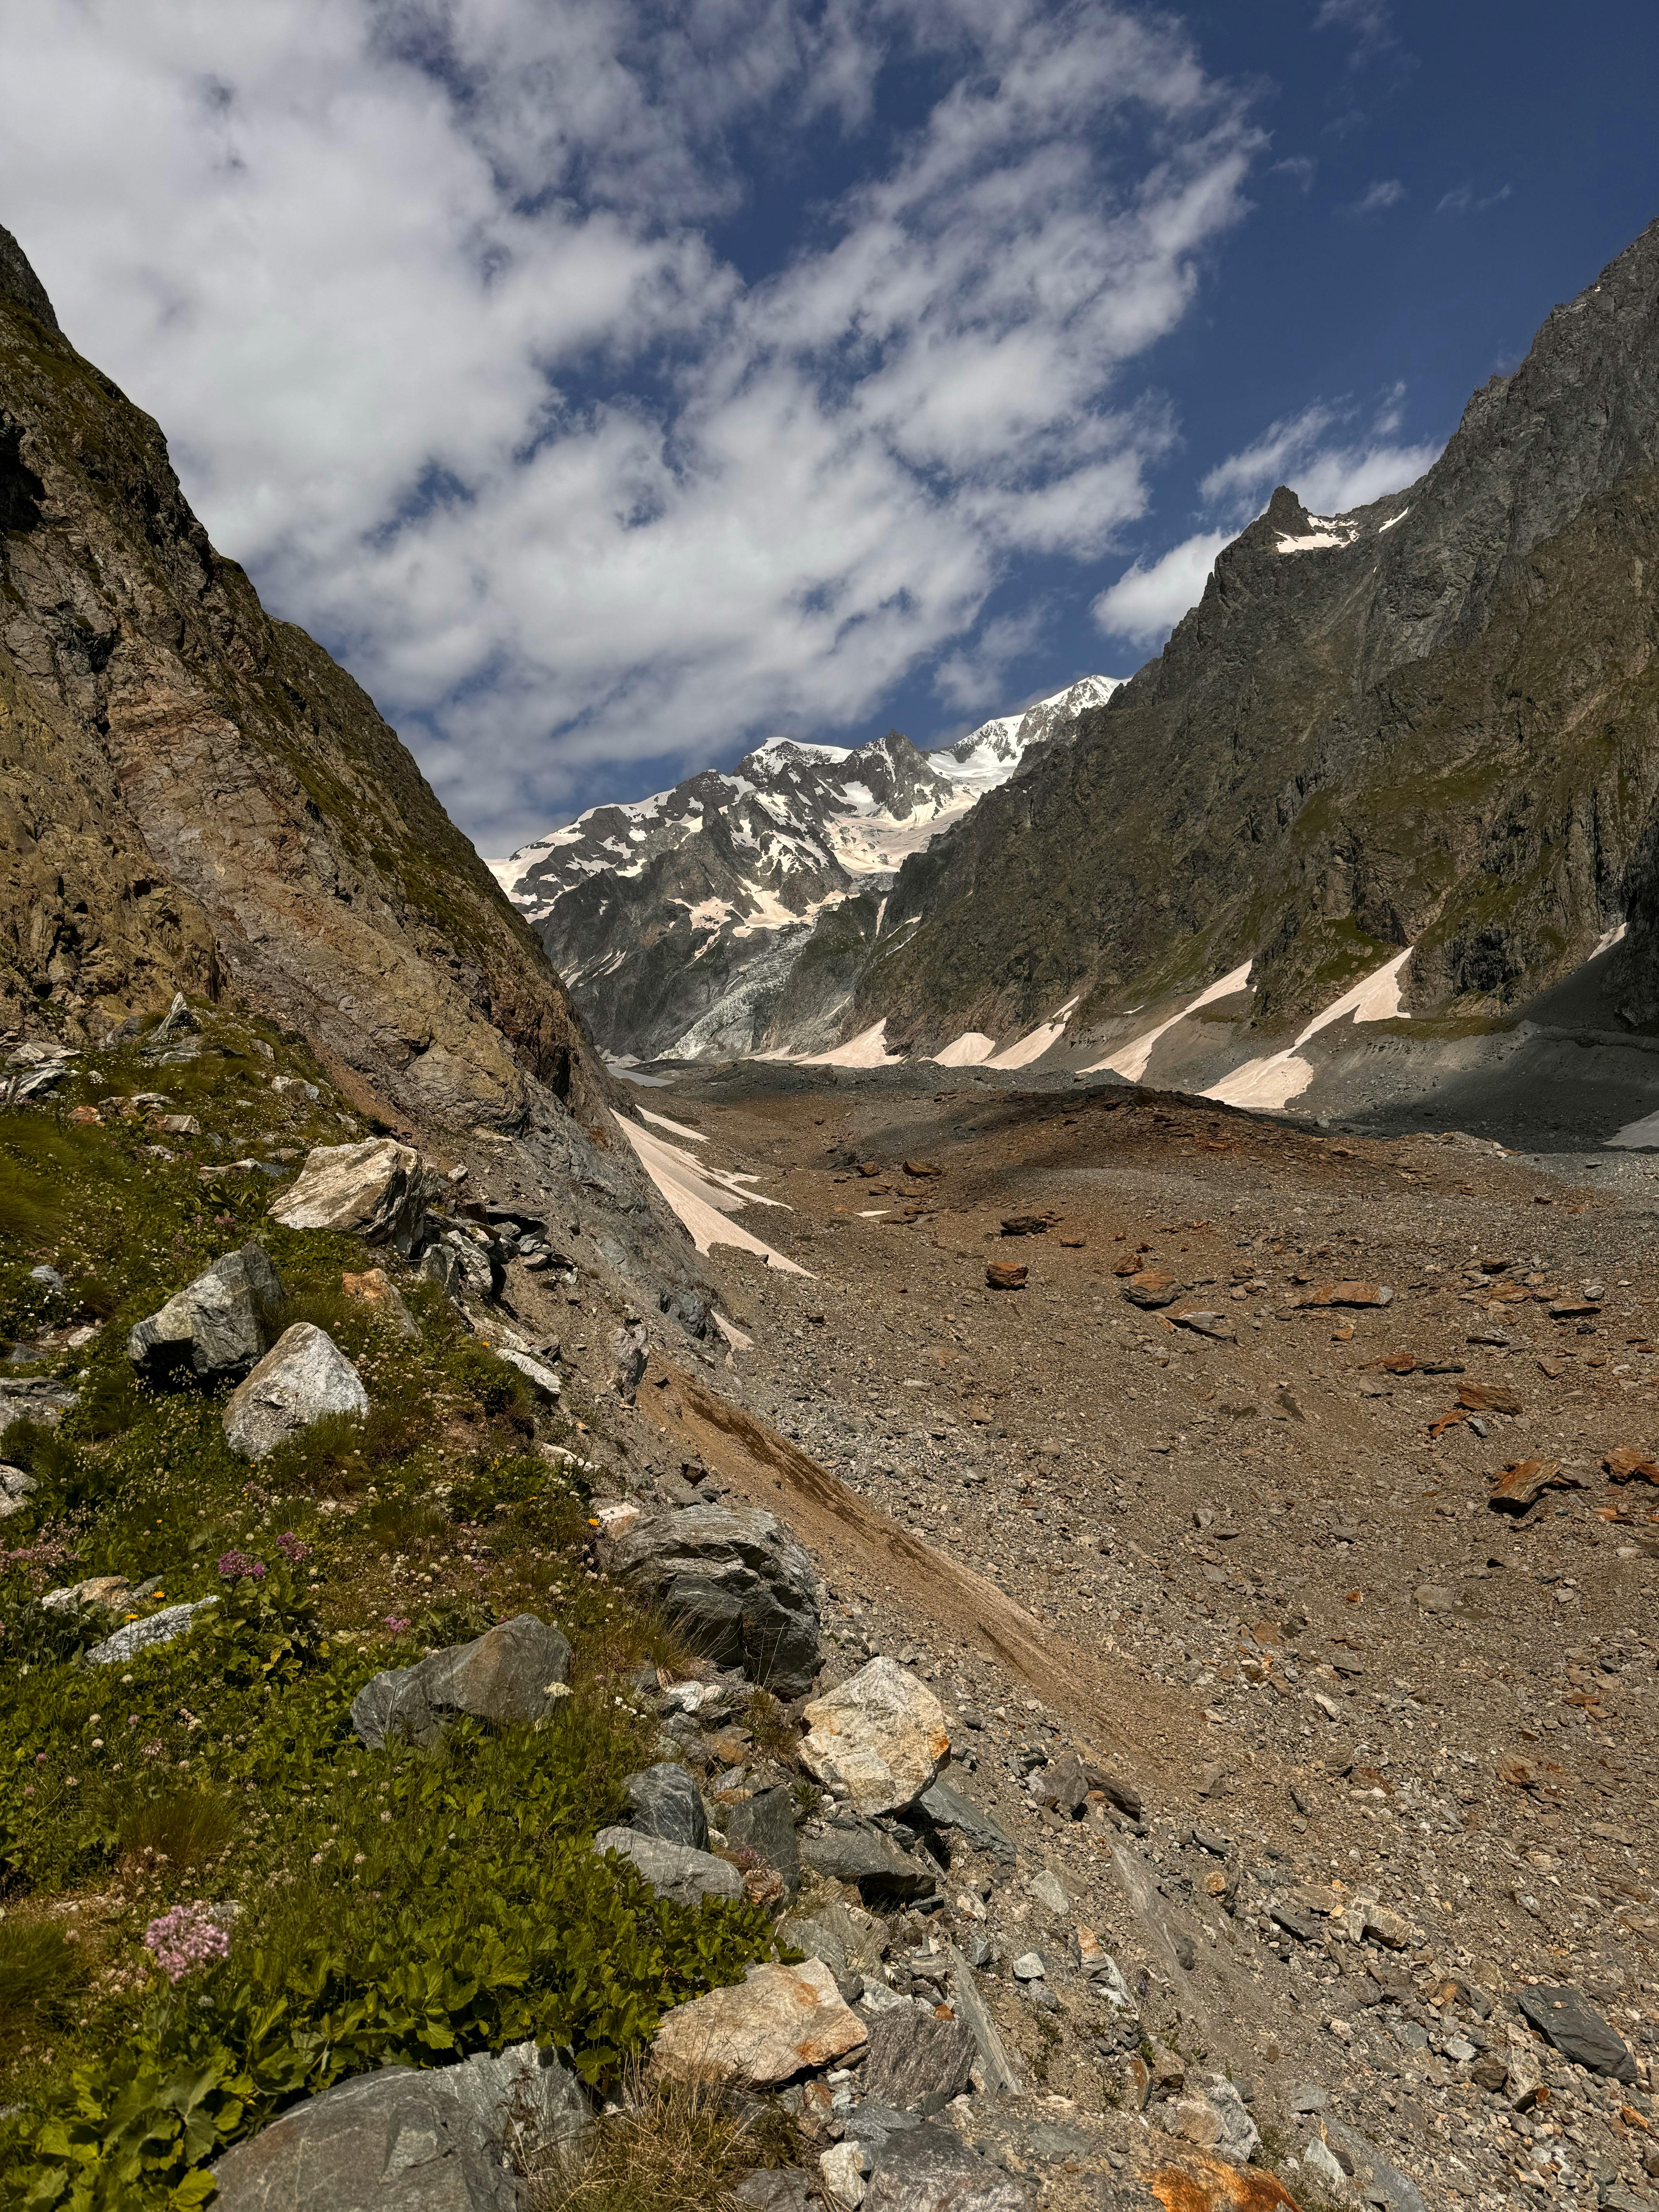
x: 1002, y: 1275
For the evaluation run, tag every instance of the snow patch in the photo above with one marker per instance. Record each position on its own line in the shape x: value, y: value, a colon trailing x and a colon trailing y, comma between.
x: 678, y: 1128
x: 1130, y: 1060
x: 1036, y: 1042
x: 702, y: 1197
x: 1608, y: 939
x: 1270, y: 1085
x: 1392, y: 519
x: 868, y: 1049
x: 968, y: 1050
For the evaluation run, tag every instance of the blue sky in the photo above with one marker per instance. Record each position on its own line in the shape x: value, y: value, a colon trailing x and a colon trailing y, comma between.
x: 611, y: 385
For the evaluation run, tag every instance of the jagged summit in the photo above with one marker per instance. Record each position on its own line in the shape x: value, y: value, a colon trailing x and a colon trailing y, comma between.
x: 676, y: 920
x: 20, y: 285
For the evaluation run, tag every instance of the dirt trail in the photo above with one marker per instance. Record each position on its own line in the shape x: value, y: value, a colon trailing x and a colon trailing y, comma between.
x: 1100, y: 1701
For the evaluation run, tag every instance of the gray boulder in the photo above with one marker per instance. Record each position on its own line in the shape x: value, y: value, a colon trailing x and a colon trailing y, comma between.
x: 33, y: 1398
x: 512, y: 1675
x: 403, y: 2140
x: 667, y: 1803
x: 917, y: 2062
x: 378, y: 1190
x: 774, y: 2188
x: 930, y: 2169
x: 16, y: 1488
x: 854, y: 1850
x: 736, y: 1584
x: 944, y: 1807
x: 304, y: 1377
x: 1566, y: 2018
x: 214, y: 1329
x: 674, y: 1870
x: 765, y: 1824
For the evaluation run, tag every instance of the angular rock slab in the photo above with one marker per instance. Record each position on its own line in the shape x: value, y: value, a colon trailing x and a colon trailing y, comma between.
x: 778, y: 2022
x: 929, y: 2169
x: 388, y: 2142
x: 667, y: 1803
x: 215, y: 1328
x: 378, y: 1190
x: 879, y: 1740
x: 853, y: 1851
x: 304, y: 1377
x: 1564, y: 2018
x: 918, y: 2063
x: 765, y: 1824
x: 674, y: 1870
x: 510, y: 1676
x: 736, y: 1584
x: 138, y: 1636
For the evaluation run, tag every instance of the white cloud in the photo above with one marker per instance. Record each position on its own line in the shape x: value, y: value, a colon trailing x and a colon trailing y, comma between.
x: 428, y: 296
x: 1331, y: 461
x: 1376, y: 199
x: 1370, y: 23
x: 1463, y: 199
x: 1146, y: 602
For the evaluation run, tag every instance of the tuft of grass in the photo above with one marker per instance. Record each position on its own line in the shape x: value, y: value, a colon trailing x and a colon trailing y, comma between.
x: 672, y: 2145
x: 185, y: 1828
x: 770, y: 1726
x: 41, y: 1979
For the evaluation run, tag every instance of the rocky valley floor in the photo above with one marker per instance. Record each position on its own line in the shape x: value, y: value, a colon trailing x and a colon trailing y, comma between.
x: 1217, y: 1497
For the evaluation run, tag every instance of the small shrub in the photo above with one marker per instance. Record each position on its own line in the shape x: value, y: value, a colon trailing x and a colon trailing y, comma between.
x: 671, y: 2147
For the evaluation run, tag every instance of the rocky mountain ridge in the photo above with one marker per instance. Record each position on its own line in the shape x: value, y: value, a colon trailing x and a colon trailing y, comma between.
x: 1427, y: 725
x: 677, y: 921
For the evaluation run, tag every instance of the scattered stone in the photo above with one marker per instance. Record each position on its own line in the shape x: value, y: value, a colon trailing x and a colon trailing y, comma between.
x: 668, y: 1804
x: 843, y: 2166
x: 1049, y: 1891
x: 1295, y: 1920
x: 919, y: 2063
x: 879, y: 1740
x: 778, y: 2022
x: 930, y: 2169
x: 1628, y: 1465
x: 217, y: 1328
x: 674, y: 1870
x: 1524, y: 1481
x: 512, y: 1675
x: 1490, y: 2072
x: 774, y: 2189
x: 540, y: 1376
x: 1380, y: 2183
x: 108, y: 1590
x: 375, y: 1289
x: 304, y: 1377
x: 1203, y: 1321
x: 1391, y: 1930
x: 1150, y: 1287
x: 850, y: 1849
x: 617, y: 1520
x: 1435, y: 1597
x: 1028, y: 1967
x: 1003, y: 1275
x: 1564, y: 2018
x: 1309, y: 2097
x: 33, y: 1398
x: 138, y: 1635
x: 378, y: 1190
x: 1215, y: 2119
x: 736, y: 1585
x: 1348, y: 1294
x: 945, y: 1808
x: 1487, y: 1397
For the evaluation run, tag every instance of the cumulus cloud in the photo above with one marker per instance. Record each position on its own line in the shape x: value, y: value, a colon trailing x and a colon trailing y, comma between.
x: 1331, y: 457
x: 432, y: 298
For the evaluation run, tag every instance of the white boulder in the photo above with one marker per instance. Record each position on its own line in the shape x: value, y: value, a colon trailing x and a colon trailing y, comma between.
x: 303, y: 1376
x: 879, y: 1740
x: 378, y: 1190
x: 778, y: 2022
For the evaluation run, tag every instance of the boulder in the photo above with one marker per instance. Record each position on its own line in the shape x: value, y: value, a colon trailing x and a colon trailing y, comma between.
x: 138, y: 1636
x: 401, y: 2141
x: 539, y: 1375
x: 918, y: 2063
x: 304, y: 1377
x: 16, y: 1488
x: 378, y: 1190
x: 1215, y: 2119
x: 930, y: 2169
x: 525, y: 2100
x: 1565, y: 2018
x: 668, y: 1804
x: 33, y: 1398
x: 736, y: 1584
x: 765, y: 1824
x: 375, y: 1289
x: 853, y: 1851
x: 215, y: 1328
x: 512, y: 1675
x: 946, y: 1809
x: 774, y: 2189
x: 879, y: 1740
x: 674, y: 1870
x: 778, y: 2022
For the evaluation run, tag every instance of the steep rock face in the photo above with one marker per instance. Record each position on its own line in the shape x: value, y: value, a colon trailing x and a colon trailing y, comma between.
x: 194, y: 796
x: 681, y: 922
x: 1429, y: 722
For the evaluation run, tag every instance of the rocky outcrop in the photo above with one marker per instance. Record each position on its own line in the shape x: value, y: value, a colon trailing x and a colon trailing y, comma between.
x: 737, y: 1586
x: 378, y: 1190
x: 512, y: 1675
x: 215, y: 1328
x: 303, y: 1378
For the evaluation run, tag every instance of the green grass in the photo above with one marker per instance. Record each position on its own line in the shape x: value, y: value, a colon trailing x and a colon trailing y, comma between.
x: 405, y: 1906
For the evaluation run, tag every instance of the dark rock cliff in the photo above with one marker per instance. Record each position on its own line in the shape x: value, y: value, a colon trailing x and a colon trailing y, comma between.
x: 1434, y: 721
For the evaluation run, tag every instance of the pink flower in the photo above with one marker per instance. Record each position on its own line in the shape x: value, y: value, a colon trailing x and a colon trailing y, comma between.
x: 291, y: 1547
x: 187, y: 1938
x: 395, y: 1623
x: 234, y: 1566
